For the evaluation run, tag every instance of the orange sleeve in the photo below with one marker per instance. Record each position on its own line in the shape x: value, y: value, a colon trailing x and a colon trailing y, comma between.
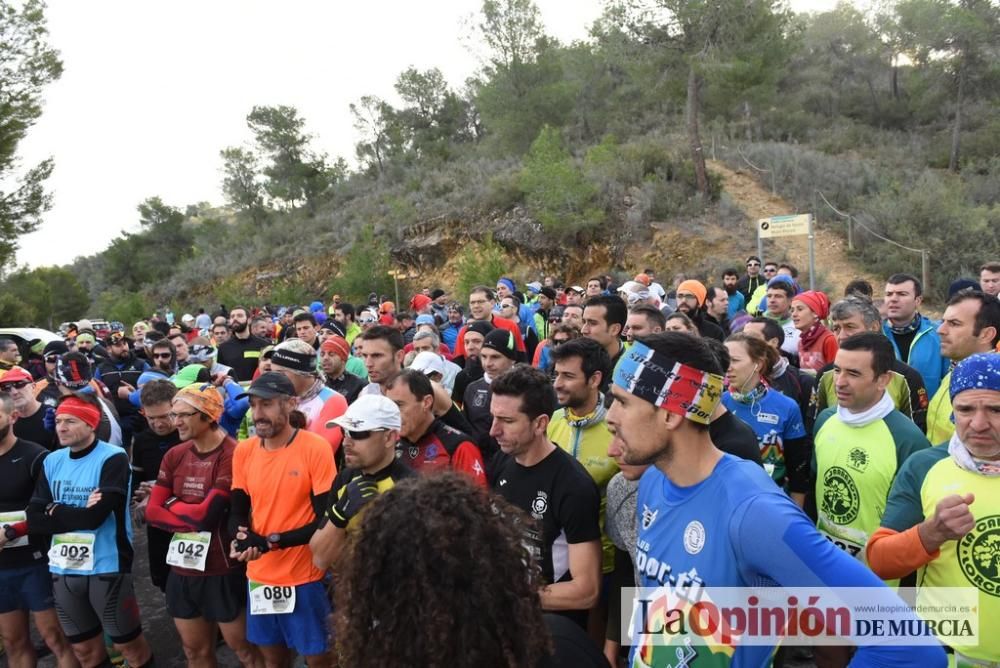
x: 322, y: 468
x: 892, y: 554
x: 239, y: 466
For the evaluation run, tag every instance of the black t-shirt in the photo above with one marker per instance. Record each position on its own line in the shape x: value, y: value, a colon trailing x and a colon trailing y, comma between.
x: 903, y: 342
x: 476, y: 406
x: 19, y: 470
x: 472, y: 372
x: 242, y: 355
x: 562, y: 498
x: 732, y: 435
x: 32, y: 428
x: 147, y: 454
x: 348, y: 384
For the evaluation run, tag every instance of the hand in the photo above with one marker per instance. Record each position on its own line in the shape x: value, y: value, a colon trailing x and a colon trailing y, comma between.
x: 142, y: 491
x: 94, y: 498
x: 248, y: 545
x: 951, y: 520
x: 219, y: 379
x: 49, y: 419
x: 124, y: 389
x: 3, y: 536
x: 139, y: 511
x: 356, y: 496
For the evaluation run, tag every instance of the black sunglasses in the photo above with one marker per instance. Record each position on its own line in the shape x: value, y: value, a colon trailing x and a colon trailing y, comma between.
x: 162, y: 356
x: 51, y: 359
x: 16, y: 385
x: 361, y: 435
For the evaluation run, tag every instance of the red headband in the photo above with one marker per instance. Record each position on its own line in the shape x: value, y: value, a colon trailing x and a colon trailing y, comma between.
x: 80, y: 409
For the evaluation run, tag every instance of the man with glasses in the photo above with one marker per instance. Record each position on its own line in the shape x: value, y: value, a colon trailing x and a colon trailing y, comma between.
x: 371, y: 429
x: 691, y: 296
x: 757, y: 302
x: 481, y: 303
x: 148, y: 449
x: 32, y: 416
x: 752, y: 280
x: 281, y: 480
x: 45, y: 388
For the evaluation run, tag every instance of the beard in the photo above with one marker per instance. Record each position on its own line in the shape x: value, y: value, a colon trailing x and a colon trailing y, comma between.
x: 730, y: 289
x: 238, y: 327
x: 4, y: 432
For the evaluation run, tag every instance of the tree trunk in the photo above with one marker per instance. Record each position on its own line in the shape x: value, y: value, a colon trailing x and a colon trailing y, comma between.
x: 956, y: 130
x: 694, y: 139
x: 894, y: 79
x: 747, y: 121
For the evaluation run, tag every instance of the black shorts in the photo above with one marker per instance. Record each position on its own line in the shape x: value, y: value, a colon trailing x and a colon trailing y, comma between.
x: 88, y: 604
x: 215, y: 598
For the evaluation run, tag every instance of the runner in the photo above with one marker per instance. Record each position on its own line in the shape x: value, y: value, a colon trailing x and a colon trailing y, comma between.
x: 241, y: 350
x: 785, y: 447
x: 206, y: 589
x: 497, y: 357
x: 296, y: 360
x: 472, y: 371
x: 691, y: 298
x: 382, y: 351
x: 989, y: 278
x: 371, y: 428
x: 817, y: 344
x: 545, y: 481
x: 281, y: 479
x: 604, y: 319
x: 940, y: 518
x: 643, y: 320
x: 785, y: 377
x: 481, y: 306
x: 148, y: 448
x: 25, y: 583
x: 860, y: 445
x: 710, y: 520
x: 34, y: 421
x: 426, y: 443
x: 913, y: 336
x: 82, y: 500
x: 751, y: 280
x: 856, y: 315
x: 780, y: 292
x: 971, y: 324
x: 333, y: 355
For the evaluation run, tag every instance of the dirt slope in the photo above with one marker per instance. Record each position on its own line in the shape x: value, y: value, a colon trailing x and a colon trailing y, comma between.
x: 834, y: 269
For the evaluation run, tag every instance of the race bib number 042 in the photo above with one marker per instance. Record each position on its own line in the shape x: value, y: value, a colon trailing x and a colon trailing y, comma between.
x: 72, y: 551
x: 189, y: 550
x: 271, y: 599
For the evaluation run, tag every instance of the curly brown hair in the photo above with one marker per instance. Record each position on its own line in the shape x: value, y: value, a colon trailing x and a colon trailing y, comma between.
x: 438, y: 575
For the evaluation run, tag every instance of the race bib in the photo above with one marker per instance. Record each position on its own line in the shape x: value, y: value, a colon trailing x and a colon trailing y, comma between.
x: 850, y: 547
x: 189, y: 550
x: 72, y: 551
x: 13, y: 517
x: 271, y: 599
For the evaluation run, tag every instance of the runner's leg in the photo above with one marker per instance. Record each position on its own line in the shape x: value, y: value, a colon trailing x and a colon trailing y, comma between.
x: 235, y: 633
x: 17, y: 639
x: 47, y: 624
x: 198, y: 639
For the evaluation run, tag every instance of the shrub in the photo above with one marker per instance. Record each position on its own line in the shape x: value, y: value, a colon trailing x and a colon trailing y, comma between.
x: 480, y: 264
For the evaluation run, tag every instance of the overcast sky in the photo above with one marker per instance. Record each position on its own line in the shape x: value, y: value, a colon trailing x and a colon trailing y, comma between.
x: 152, y: 91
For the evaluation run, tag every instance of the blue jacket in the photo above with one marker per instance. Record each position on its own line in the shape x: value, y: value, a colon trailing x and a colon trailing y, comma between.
x: 925, y: 354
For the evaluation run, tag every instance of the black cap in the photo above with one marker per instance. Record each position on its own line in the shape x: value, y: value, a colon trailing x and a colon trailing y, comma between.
x: 56, y: 347
x: 480, y: 327
x: 548, y: 292
x: 501, y: 341
x: 269, y: 385
x: 437, y: 293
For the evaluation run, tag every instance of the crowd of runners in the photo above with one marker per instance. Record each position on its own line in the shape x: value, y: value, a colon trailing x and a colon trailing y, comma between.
x: 474, y: 484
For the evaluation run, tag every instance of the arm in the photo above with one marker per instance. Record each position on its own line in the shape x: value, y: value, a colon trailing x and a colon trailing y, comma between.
x: 326, y: 544
x: 302, y: 534
x: 159, y: 515
x: 59, y: 518
x: 894, y: 555
x: 170, y: 514
x: 582, y: 591
x: 798, y: 455
x: 775, y: 540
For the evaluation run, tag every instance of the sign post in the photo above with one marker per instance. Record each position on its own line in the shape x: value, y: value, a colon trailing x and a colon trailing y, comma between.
x: 789, y: 226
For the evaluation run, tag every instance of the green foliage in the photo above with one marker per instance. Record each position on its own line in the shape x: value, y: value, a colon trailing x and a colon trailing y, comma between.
x: 294, y: 175
x: 27, y: 65
x: 241, y: 184
x: 365, y: 269
x: 47, y: 295
x: 124, y: 305
x: 144, y: 259
x: 479, y: 264
x: 556, y: 190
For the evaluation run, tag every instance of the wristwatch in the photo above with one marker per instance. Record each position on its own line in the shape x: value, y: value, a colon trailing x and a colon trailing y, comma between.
x: 9, y: 532
x: 274, y: 538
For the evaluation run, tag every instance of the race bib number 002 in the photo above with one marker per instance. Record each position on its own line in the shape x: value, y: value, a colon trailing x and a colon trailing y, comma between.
x: 271, y: 599
x: 189, y: 550
x: 72, y: 551
x: 13, y: 517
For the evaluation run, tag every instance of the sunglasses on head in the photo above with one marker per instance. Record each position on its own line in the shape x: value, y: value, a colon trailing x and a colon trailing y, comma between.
x: 16, y: 385
x: 362, y: 435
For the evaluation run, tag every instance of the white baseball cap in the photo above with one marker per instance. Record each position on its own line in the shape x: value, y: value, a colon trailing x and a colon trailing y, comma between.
x: 369, y: 411
x: 427, y: 363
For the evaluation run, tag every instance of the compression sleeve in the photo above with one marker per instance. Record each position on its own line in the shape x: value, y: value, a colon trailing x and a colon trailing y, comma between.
x: 786, y: 549
x: 159, y: 516
x: 895, y: 555
x: 302, y: 534
x: 72, y: 518
x: 239, y: 510
x: 798, y: 455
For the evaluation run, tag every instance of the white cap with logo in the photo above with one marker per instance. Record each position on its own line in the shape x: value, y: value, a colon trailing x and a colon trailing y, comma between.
x: 427, y: 363
x: 368, y: 412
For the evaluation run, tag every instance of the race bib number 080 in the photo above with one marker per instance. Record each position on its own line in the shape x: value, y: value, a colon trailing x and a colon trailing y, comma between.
x: 72, y: 551
x: 271, y: 599
x: 13, y: 517
x: 189, y: 550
